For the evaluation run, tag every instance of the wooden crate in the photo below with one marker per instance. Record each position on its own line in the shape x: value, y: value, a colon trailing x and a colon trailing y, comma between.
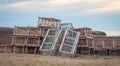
x: 33, y: 41
x: 20, y: 30
x: 108, y: 43
x: 82, y: 42
x: 19, y: 40
x: 2, y: 49
x: 84, y: 31
x: 90, y: 42
x: 115, y: 52
x: 49, y: 22
x: 6, y: 48
x: 83, y: 50
x: 98, y: 43
x: 117, y: 43
x: 34, y: 31
x: 9, y: 49
x: 81, y: 31
x: 30, y: 50
x: 100, y: 53
x: 19, y: 49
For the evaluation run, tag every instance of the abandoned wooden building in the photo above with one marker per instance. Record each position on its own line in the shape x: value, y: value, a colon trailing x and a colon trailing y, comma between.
x: 51, y: 37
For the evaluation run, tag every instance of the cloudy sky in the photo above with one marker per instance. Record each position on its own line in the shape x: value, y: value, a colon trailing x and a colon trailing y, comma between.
x: 101, y: 15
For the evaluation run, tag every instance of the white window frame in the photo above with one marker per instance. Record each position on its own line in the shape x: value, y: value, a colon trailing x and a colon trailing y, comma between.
x: 74, y: 44
x: 54, y: 41
x: 66, y: 26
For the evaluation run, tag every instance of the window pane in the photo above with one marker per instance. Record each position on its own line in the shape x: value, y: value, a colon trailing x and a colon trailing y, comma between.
x: 65, y: 26
x: 46, y: 46
x: 66, y: 48
x: 49, y: 39
x: 71, y: 34
x: 52, y: 32
x: 69, y: 41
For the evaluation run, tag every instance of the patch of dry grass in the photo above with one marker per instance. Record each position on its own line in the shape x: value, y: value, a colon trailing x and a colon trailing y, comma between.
x: 39, y: 60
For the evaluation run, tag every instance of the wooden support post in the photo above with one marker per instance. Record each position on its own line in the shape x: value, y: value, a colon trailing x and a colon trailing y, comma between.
x: 39, y: 21
x: 87, y: 42
x: 23, y: 49
x: 89, y: 50
x: 43, y: 32
x: 93, y: 43
x: 5, y: 49
x: 35, y: 50
x: 40, y: 32
x: 39, y: 41
x: 106, y: 52
x: 13, y: 40
x: 91, y: 35
x: 44, y: 22
x: 26, y: 50
x: 103, y: 44
x: 113, y: 43
x: 85, y: 32
x: 14, y: 49
x: 109, y: 52
x: 93, y: 51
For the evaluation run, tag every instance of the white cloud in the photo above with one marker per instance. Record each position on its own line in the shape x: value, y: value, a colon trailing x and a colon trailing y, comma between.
x: 80, y: 6
x: 112, y: 33
x: 110, y: 7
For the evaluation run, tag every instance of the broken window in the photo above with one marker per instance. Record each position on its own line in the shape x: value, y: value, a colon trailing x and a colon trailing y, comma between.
x: 69, y: 42
x: 50, y: 40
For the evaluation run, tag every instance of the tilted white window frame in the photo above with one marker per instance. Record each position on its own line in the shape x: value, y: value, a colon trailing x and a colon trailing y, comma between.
x: 73, y: 46
x: 48, y: 43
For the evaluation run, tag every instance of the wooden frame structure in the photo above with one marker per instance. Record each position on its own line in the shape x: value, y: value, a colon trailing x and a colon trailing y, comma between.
x: 107, y: 44
x: 52, y: 37
x: 6, y: 49
x: 49, y: 22
x: 85, y: 42
x: 25, y: 38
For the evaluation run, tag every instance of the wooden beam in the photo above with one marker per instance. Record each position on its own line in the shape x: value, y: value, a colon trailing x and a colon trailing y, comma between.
x: 103, y: 44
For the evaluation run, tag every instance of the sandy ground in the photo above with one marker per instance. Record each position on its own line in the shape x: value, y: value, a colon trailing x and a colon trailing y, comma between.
x: 39, y: 60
